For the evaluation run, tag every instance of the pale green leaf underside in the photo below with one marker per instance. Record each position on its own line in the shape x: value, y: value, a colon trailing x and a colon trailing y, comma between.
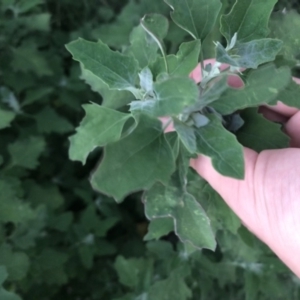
x: 172, y: 96
x: 135, y: 162
x: 249, y: 19
x: 262, y: 87
x: 118, y: 71
x: 197, y: 17
x: 250, y: 54
x: 99, y: 127
x: 222, y: 147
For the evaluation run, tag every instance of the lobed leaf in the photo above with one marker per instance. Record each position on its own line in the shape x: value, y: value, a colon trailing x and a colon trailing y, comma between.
x: 25, y: 152
x: 135, y: 162
x: 197, y: 17
x: 99, y: 127
x: 190, y: 221
x: 250, y: 54
x: 249, y: 19
x: 117, y: 70
x: 110, y: 98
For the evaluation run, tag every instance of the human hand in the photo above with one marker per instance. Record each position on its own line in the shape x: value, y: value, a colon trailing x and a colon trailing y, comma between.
x: 267, y: 199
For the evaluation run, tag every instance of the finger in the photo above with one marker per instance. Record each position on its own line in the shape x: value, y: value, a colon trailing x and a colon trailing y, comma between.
x: 282, y: 109
x: 272, y: 115
x: 292, y: 128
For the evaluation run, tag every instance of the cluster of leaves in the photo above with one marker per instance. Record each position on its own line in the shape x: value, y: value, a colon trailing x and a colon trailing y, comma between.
x: 59, y: 239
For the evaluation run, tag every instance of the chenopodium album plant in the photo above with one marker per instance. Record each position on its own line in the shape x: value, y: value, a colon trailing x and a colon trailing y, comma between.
x: 143, y: 84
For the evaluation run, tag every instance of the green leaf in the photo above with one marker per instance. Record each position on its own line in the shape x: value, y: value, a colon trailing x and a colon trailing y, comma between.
x: 99, y: 127
x: 252, y: 286
x: 25, y: 152
x: 157, y: 27
x: 16, y: 263
x: 36, y: 22
x: 36, y: 94
x: 256, y: 91
x: 289, y: 95
x: 28, y: 58
x: 190, y: 220
x: 48, y: 121
x: 222, y: 147
x: 3, y: 274
x: 181, y: 64
x: 250, y: 54
x: 249, y: 19
x: 186, y: 134
x: 252, y: 136
x: 110, y: 98
x: 142, y: 47
x: 13, y: 209
x: 4, y: 294
x: 118, y: 71
x: 197, y: 17
x: 130, y: 271
x: 49, y: 267
x: 219, y: 213
x: 171, y: 97
x: 174, y: 287
x: 48, y: 195
x: 24, y: 6
x: 6, y: 118
x: 159, y: 227
x: 136, y: 161
x: 285, y: 26
x: 61, y: 222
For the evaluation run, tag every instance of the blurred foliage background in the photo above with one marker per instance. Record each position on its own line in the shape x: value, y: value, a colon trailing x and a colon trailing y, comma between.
x: 58, y: 238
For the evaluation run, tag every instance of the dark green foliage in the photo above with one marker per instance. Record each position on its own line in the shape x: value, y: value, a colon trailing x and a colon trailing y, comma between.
x: 62, y: 235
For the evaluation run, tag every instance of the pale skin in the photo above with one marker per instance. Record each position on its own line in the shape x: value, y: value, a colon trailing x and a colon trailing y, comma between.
x: 268, y: 200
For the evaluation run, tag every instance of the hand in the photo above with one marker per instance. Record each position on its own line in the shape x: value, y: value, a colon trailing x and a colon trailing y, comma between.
x: 268, y: 199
